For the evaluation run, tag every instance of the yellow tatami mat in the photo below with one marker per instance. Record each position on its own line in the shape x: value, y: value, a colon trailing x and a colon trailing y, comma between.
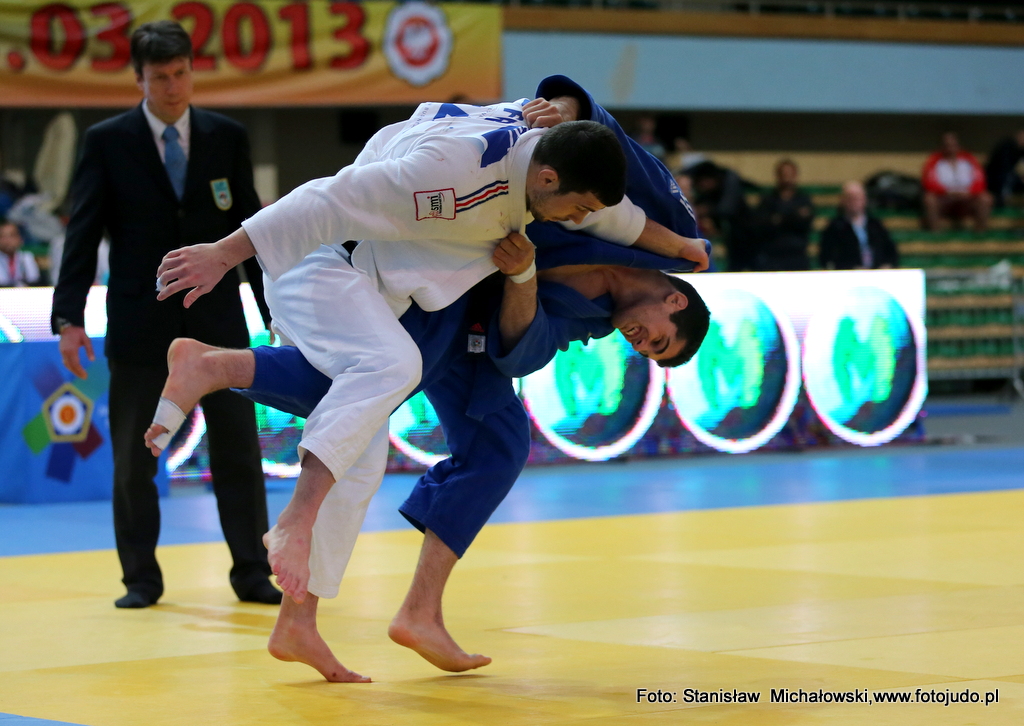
x: 921, y: 595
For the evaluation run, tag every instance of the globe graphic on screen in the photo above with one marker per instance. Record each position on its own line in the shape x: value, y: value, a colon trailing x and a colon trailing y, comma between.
x: 415, y: 430
x: 9, y: 332
x: 594, y: 401
x: 860, y: 363
x: 739, y: 389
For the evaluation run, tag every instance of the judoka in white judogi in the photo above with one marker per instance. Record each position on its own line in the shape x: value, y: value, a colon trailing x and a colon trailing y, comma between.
x: 433, y: 195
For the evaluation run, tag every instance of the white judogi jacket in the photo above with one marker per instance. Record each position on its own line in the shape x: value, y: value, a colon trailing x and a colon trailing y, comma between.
x: 447, y: 184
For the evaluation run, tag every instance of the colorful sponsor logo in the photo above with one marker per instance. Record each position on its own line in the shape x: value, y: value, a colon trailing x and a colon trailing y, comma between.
x: 435, y: 204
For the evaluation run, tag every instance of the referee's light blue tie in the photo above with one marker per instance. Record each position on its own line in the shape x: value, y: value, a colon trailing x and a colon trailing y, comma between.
x: 174, y: 160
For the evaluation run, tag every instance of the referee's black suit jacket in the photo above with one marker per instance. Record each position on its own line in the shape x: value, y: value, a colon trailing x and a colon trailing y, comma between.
x: 121, y: 186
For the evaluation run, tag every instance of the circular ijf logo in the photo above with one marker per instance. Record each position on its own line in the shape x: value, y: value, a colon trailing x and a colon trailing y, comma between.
x: 864, y: 366
x: 595, y: 401
x: 67, y: 414
x: 741, y: 387
x: 417, y: 42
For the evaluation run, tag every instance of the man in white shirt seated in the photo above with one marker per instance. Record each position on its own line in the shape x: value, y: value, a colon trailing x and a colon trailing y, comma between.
x: 18, y: 268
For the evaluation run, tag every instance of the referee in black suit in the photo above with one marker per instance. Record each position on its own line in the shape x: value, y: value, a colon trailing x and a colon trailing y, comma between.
x: 161, y: 176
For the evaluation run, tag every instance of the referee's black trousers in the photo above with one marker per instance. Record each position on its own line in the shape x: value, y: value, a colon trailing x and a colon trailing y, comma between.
x: 234, y: 464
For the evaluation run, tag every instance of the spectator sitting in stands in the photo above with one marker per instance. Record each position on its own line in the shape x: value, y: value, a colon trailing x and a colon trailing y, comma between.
x: 722, y: 211
x: 682, y: 158
x: 685, y: 182
x: 855, y: 240
x: 784, y: 220
x: 9, y: 193
x: 954, y: 186
x: 1004, y: 170
x: 646, y: 138
x: 17, y: 267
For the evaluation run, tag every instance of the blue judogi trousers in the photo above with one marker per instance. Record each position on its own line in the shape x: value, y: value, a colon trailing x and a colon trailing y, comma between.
x: 456, y: 496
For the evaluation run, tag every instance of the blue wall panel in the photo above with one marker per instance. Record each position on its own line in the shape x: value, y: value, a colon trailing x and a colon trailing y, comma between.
x: 732, y: 74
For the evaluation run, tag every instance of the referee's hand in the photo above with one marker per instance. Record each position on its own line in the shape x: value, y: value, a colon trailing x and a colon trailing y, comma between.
x: 72, y: 338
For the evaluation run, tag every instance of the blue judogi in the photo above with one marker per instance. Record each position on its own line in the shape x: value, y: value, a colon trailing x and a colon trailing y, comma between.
x: 484, y: 423
x: 649, y: 184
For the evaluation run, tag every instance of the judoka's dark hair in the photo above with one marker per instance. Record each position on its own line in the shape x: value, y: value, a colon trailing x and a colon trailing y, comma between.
x: 159, y: 42
x: 588, y: 158
x: 692, y: 323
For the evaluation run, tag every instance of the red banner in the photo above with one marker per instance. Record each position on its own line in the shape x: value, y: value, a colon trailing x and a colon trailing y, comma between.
x: 270, y: 52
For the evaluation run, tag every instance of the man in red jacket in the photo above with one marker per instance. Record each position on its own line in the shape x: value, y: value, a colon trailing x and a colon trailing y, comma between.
x: 954, y: 186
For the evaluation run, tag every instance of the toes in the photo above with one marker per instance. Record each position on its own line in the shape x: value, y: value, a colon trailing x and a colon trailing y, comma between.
x: 152, y: 432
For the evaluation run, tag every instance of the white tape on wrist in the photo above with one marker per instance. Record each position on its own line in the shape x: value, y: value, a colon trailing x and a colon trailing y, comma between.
x: 522, y: 277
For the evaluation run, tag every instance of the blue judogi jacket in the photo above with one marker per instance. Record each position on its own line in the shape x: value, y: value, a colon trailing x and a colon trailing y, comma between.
x: 649, y: 184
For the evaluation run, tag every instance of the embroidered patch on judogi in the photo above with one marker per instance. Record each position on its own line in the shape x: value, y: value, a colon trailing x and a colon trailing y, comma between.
x: 436, y: 204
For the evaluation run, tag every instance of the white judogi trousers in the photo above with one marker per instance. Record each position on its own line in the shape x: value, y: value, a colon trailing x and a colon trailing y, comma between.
x: 344, y: 327
x: 341, y: 516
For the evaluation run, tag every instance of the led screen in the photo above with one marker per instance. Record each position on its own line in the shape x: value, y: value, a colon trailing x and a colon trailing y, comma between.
x: 849, y: 347
x: 416, y: 431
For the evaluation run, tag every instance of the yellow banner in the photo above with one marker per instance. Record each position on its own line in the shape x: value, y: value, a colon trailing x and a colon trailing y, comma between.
x: 264, y: 53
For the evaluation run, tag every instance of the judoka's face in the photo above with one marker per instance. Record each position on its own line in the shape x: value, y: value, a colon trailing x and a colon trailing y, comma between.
x: 167, y: 88
x: 547, y: 204
x: 555, y: 207
x: 647, y: 327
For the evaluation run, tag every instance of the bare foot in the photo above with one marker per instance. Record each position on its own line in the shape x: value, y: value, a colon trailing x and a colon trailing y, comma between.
x: 430, y: 639
x: 292, y: 642
x: 288, y: 553
x: 188, y: 380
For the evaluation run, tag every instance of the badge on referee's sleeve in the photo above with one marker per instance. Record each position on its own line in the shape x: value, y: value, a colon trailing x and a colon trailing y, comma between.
x: 221, y: 194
